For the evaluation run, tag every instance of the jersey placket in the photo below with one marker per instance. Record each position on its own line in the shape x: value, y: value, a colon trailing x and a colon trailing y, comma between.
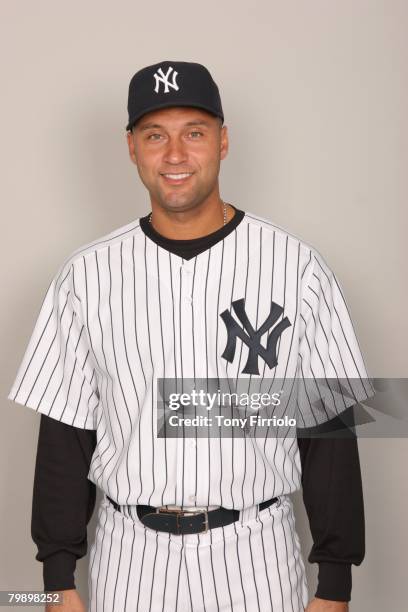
x: 189, y: 448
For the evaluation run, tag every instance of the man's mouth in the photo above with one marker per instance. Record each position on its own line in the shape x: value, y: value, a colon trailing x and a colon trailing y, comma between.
x: 176, y: 178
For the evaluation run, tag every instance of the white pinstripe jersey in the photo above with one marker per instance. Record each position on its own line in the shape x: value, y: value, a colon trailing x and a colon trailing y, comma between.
x: 122, y: 311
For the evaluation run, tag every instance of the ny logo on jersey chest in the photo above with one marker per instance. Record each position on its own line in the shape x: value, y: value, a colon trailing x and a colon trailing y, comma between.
x: 252, y: 337
x: 160, y: 77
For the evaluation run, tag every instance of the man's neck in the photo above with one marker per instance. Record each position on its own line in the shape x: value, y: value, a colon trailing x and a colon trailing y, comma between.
x: 191, y: 224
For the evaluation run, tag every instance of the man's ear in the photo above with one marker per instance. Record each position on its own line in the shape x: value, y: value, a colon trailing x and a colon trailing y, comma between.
x: 131, y: 146
x: 224, y: 144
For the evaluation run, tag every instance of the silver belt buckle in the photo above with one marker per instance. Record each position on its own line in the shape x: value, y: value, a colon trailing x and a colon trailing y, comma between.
x: 180, y: 512
x: 205, y: 522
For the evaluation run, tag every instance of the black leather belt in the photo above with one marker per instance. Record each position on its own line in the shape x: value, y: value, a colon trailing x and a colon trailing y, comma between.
x: 185, y: 521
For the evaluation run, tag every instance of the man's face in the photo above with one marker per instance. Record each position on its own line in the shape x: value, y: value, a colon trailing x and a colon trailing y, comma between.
x: 169, y: 143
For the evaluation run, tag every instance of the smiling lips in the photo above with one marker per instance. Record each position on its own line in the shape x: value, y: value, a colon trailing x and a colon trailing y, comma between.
x: 176, y: 178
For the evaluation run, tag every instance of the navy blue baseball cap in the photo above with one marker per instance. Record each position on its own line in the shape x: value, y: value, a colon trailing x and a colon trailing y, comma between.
x: 170, y: 83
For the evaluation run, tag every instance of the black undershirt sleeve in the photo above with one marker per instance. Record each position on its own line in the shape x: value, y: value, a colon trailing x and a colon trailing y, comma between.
x: 333, y: 498
x: 63, y: 500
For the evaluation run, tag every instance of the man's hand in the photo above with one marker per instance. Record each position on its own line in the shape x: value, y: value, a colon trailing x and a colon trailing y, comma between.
x: 71, y: 602
x: 324, y: 605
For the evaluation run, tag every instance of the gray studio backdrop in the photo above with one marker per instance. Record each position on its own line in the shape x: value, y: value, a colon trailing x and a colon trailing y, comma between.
x: 315, y: 96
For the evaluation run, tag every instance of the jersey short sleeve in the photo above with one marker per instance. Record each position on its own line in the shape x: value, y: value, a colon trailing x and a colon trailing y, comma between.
x: 56, y: 376
x: 331, y: 372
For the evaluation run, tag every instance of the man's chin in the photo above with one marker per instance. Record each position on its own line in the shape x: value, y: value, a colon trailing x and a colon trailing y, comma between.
x: 177, y: 204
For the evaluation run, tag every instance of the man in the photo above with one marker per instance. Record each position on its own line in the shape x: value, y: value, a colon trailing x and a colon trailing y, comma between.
x: 186, y: 523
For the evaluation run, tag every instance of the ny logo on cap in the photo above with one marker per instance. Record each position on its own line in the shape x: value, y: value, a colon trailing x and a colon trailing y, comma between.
x: 252, y: 336
x: 164, y: 78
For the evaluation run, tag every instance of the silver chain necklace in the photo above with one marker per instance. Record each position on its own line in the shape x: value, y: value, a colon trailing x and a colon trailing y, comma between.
x: 224, y: 207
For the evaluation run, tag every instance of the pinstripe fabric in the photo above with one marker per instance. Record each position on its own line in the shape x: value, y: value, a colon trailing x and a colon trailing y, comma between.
x: 121, y: 312
x: 254, y: 564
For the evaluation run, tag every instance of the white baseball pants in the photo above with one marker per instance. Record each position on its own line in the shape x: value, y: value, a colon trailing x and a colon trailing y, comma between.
x: 252, y: 565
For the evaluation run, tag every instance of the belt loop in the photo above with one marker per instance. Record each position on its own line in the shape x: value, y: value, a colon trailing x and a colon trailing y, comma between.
x: 114, y: 504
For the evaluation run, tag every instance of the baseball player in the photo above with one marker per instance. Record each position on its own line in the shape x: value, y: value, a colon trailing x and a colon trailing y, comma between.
x: 198, y: 289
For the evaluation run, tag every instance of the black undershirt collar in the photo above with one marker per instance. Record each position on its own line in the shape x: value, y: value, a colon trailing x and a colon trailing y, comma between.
x: 193, y: 246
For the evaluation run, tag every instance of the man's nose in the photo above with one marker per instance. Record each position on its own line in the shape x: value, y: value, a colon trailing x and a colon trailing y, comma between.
x: 175, y: 151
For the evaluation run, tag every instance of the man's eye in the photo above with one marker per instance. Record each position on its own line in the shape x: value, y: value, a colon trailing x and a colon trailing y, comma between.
x: 196, y: 132
x: 150, y: 136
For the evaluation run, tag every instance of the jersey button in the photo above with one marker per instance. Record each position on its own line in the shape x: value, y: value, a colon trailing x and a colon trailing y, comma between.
x: 192, y: 498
